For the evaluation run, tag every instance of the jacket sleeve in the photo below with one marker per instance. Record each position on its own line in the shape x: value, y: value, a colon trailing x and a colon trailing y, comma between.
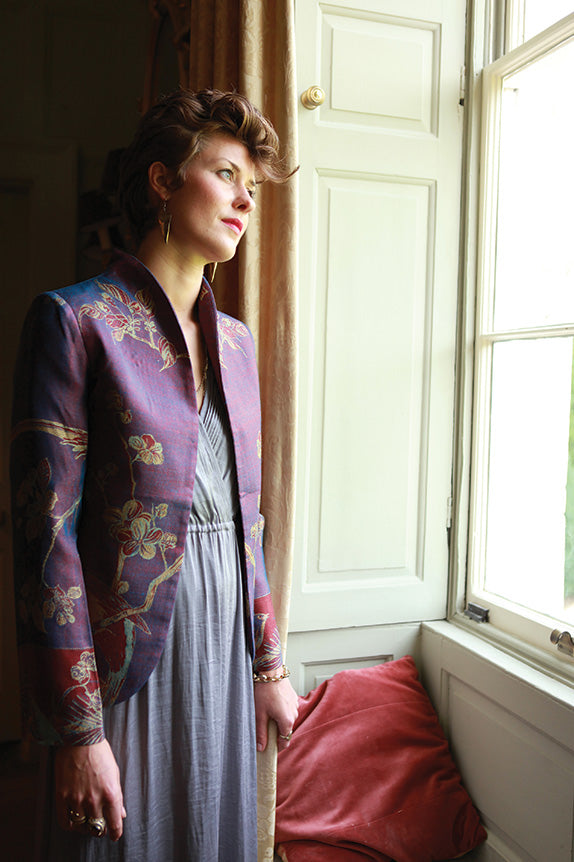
x: 60, y: 688
x: 268, y: 655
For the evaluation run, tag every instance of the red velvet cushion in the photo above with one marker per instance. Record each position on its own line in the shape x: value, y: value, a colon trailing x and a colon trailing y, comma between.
x: 369, y: 776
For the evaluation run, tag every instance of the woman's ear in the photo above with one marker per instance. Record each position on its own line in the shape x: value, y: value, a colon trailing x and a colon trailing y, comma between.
x: 159, y: 178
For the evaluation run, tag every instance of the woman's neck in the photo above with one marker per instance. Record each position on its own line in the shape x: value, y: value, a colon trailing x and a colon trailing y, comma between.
x: 179, y: 277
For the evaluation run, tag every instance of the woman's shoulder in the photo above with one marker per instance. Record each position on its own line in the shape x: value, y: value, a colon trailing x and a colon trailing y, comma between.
x: 121, y: 280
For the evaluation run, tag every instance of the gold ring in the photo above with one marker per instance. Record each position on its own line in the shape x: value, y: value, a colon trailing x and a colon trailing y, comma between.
x: 97, y: 826
x: 76, y: 818
x: 286, y: 738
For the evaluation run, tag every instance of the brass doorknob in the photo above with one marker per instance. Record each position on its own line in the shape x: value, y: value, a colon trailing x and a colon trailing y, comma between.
x: 312, y: 97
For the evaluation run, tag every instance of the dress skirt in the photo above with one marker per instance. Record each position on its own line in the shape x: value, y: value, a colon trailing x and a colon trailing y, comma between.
x: 185, y: 743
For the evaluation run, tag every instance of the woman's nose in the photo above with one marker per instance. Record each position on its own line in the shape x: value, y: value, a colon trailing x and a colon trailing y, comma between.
x: 244, y: 200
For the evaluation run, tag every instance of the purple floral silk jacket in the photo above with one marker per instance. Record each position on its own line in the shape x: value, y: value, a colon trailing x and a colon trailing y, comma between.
x: 104, y: 449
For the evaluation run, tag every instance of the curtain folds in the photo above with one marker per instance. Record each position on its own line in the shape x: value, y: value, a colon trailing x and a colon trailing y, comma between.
x: 249, y: 46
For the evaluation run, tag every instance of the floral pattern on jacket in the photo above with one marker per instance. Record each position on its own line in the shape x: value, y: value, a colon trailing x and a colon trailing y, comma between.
x: 103, y: 464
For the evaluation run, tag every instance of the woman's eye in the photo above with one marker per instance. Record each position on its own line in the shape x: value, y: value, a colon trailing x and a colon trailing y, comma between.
x: 226, y: 173
x: 251, y: 192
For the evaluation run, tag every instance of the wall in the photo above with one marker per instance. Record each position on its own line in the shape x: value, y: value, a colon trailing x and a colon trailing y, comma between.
x: 73, y: 71
x: 72, y: 75
x: 510, y: 730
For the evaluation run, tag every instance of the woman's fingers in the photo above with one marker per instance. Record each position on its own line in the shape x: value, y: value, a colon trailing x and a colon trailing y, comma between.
x: 261, y: 733
x: 283, y: 739
x: 115, y: 814
x: 88, y: 791
x: 276, y: 701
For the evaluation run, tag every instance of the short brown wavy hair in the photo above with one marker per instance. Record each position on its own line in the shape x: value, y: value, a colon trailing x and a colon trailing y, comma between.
x: 173, y: 132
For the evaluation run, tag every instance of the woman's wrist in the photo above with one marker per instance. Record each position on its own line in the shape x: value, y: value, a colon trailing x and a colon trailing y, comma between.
x: 277, y: 674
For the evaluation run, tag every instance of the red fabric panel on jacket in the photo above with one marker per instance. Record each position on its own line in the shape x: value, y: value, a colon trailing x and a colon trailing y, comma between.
x: 369, y: 775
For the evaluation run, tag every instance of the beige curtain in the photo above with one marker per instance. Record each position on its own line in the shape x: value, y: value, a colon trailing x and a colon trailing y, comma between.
x: 248, y: 46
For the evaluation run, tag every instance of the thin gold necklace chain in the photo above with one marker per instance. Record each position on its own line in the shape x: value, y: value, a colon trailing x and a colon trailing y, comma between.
x: 201, y: 384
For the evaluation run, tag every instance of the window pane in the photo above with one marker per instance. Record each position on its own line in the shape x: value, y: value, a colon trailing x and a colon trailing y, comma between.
x: 529, y: 474
x: 540, y: 14
x: 535, y: 250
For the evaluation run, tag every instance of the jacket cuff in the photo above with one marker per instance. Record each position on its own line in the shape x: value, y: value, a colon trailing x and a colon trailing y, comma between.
x: 61, y: 699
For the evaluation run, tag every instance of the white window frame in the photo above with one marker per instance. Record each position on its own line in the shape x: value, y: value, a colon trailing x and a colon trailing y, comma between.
x: 527, y: 637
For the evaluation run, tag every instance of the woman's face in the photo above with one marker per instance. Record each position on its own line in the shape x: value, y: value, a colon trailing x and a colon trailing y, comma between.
x: 210, y: 211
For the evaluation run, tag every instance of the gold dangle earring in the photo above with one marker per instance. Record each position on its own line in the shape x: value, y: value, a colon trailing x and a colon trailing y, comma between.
x: 212, y: 269
x: 164, y: 221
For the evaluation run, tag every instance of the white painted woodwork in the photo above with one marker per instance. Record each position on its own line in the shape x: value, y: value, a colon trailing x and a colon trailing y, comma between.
x: 379, y: 201
x: 316, y: 657
x: 510, y: 731
x: 529, y: 621
x: 367, y: 214
x: 378, y: 238
x: 37, y: 242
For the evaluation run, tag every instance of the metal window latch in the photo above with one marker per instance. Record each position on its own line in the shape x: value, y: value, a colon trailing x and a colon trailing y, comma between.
x: 476, y: 613
x: 563, y: 641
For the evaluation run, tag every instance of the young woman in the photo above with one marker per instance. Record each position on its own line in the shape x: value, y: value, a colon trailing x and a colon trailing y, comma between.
x: 151, y: 662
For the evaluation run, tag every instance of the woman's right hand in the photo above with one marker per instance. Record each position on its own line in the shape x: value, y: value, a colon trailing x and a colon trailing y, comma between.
x: 87, y: 782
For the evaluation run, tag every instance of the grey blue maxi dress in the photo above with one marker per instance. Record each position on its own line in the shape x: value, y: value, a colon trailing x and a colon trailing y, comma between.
x: 185, y: 743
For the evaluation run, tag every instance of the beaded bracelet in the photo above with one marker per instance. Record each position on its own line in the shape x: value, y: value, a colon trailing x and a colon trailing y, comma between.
x: 262, y: 677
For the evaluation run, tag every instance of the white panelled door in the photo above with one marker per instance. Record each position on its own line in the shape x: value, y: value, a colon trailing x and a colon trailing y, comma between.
x: 379, y: 231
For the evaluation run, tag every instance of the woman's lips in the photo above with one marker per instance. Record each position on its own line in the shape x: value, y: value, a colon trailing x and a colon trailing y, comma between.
x: 234, y: 224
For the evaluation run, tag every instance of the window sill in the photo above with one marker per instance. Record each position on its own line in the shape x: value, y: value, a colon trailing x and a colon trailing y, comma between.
x: 552, y: 676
